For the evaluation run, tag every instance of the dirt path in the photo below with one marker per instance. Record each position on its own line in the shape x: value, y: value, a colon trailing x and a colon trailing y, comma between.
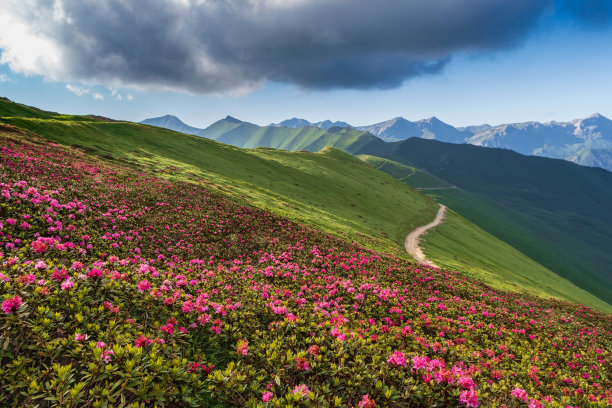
x: 412, y: 240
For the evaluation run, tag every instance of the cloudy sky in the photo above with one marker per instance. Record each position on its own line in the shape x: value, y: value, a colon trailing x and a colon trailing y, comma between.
x: 360, y: 61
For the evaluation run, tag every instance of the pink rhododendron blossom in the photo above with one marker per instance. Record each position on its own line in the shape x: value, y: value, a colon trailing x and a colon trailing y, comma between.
x: 466, y: 382
x: 107, y: 356
x: 469, y: 398
x: 519, y: 393
x: 67, y: 284
x: 243, y: 347
x: 366, y: 402
x: 397, y: 358
x: 419, y: 362
x: 301, y: 364
x: 266, y: 396
x: 11, y: 305
x: 144, y: 285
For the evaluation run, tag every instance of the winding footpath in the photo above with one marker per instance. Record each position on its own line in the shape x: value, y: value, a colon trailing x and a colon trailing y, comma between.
x: 412, y: 240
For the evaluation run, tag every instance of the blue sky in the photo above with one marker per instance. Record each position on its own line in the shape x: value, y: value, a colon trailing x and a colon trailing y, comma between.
x: 551, y: 68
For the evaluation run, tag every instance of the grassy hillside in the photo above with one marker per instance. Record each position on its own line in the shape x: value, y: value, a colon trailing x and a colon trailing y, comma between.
x: 411, y: 175
x: 482, y: 255
x: 172, y: 295
x: 12, y: 109
x: 555, y: 212
x: 330, y: 189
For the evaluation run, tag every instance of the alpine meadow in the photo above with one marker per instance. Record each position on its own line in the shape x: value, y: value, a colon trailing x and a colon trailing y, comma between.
x: 206, y: 204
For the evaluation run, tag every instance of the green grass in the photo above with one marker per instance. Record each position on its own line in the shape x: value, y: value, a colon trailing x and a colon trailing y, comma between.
x: 496, y: 263
x: 411, y: 175
x: 555, y: 212
x: 459, y: 244
x: 331, y: 189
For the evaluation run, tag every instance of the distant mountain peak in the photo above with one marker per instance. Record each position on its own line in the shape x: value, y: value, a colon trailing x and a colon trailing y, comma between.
x: 171, y: 122
x: 232, y: 119
x: 598, y: 116
x: 299, y: 122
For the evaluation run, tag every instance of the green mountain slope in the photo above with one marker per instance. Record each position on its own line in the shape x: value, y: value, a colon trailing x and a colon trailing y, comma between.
x: 310, y: 138
x: 13, y: 109
x: 503, y: 266
x: 411, y: 175
x: 330, y: 189
x: 557, y: 213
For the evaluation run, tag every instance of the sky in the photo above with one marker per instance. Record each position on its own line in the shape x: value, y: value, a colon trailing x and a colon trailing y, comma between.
x: 466, y: 62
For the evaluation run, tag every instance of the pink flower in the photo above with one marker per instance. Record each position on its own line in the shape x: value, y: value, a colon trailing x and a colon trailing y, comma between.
x: 107, y: 355
x: 12, y: 304
x: 266, y: 396
x: 67, y: 284
x: 100, y: 344
x: 366, y: 402
x: 80, y: 337
x: 419, y: 362
x: 142, y: 341
x: 59, y: 274
x: 94, y: 273
x: 469, y: 398
x: 301, y: 364
x: 243, y: 347
x: 519, y: 393
x: 301, y: 390
x: 38, y: 246
x: 535, y: 404
x: 466, y: 382
x: 144, y: 285
x: 168, y: 328
x: 397, y: 358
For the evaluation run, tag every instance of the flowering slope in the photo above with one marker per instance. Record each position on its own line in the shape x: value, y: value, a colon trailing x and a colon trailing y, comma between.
x: 119, y: 289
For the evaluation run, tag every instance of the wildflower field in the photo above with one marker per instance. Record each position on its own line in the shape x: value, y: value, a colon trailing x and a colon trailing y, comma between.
x: 119, y: 289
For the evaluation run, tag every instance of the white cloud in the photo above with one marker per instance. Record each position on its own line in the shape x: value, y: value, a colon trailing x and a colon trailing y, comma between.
x: 115, y: 93
x: 4, y: 78
x: 130, y: 97
x: 77, y: 90
x: 98, y: 96
x: 24, y: 48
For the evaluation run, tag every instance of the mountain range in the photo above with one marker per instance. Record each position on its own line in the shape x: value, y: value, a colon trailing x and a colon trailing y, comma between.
x: 587, y: 141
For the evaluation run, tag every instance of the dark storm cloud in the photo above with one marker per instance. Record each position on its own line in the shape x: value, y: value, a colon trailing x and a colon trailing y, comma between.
x: 234, y: 45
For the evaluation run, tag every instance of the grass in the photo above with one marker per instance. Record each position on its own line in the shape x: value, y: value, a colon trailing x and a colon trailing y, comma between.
x: 413, y: 176
x: 330, y: 189
x: 460, y: 244
x: 555, y: 212
x: 498, y: 264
